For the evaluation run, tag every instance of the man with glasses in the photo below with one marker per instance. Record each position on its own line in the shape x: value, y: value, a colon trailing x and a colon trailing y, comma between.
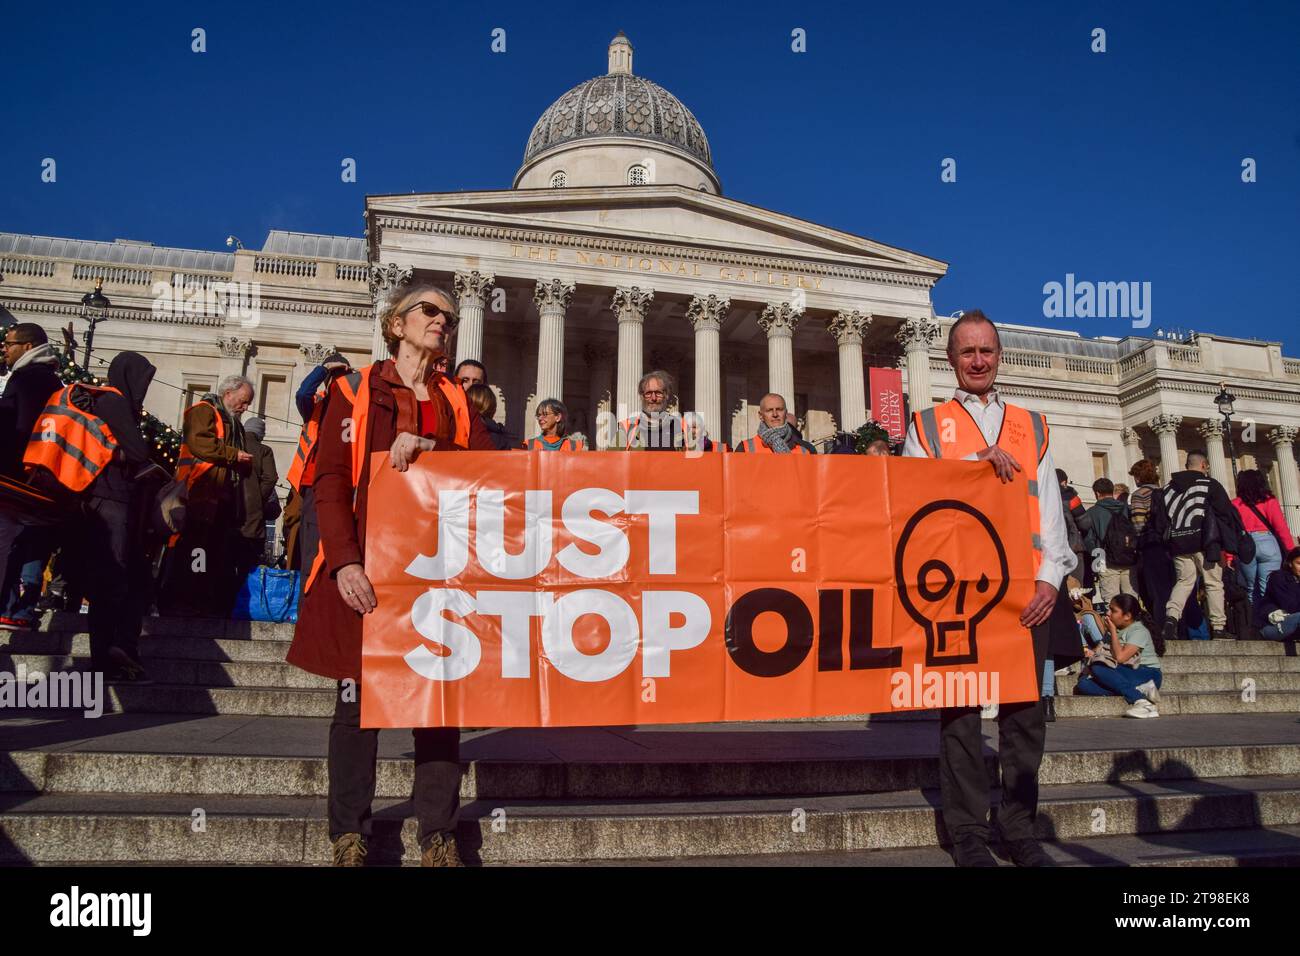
x: 656, y: 428
x: 33, y: 377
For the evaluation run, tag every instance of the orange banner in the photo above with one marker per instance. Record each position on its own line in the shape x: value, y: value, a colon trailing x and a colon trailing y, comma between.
x: 552, y: 589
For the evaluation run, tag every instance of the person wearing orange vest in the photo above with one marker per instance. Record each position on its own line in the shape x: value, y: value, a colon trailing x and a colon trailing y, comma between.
x: 776, y: 435
x: 405, y: 407
x: 311, y: 400
x: 655, y: 428
x: 105, y: 544
x: 694, y: 435
x: 977, y: 425
x: 199, y: 577
x: 553, y: 420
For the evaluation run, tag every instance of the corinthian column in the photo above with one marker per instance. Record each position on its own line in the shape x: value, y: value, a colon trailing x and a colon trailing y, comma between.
x: 385, y: 280
x: 1283, y: 439
x: 1212, y: 432
x: 1132, y: 445
x: 917, y: 335
x: 705, y: 314
x: 471, y: 289
x: 629, y: 305
x: 779, y: 322
x: 848, y: 328
x: 552, y: 298
x: 1166, y: 429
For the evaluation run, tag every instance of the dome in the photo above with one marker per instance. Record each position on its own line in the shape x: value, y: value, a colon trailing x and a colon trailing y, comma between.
x: 597, y: 134
x: 623, y: 105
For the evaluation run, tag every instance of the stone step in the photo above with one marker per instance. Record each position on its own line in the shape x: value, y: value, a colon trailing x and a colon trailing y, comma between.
x: 1234, y: 663
x: 1265, y: 846
x: 187, y: 672
x: 1201, y: 681
x: 66, y: 622
x: 157, y: 646
x: 291, y: 702
x: 66, y: 828
x: 282, y: 756
x: 1194, y: 702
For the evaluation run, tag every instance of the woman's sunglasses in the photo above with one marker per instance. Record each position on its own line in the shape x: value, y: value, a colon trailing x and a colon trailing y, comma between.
x: 432, y: 311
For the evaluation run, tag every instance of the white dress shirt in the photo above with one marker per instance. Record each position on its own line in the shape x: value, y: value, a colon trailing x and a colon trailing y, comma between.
x: 1058, y: 559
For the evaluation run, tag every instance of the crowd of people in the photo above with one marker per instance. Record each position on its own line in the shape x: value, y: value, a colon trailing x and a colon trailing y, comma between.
x: 82, y: 492
x: 1114, y: 582
x: 1175, y: 561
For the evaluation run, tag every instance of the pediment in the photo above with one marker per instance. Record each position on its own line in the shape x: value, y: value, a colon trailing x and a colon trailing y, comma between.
x: 673, y: 215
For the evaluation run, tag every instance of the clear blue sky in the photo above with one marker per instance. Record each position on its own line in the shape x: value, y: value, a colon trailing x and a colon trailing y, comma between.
x: 1120, y: 166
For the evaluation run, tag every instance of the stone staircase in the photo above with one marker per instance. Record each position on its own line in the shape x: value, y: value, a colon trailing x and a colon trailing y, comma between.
x: 223, y: 760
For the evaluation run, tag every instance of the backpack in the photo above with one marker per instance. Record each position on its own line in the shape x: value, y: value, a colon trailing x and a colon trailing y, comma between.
x: 1120, y: 541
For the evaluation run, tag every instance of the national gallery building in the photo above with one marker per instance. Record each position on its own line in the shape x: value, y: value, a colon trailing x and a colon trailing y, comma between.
x: 614, y: 252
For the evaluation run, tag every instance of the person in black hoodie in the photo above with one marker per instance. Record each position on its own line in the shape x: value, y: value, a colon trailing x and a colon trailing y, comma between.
x: 1197, y: 520
x: 107, y: 541
x: 33, y: 378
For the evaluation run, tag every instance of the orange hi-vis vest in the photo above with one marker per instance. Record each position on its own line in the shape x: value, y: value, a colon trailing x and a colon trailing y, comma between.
x: 302, y: 470
x: 190, y: 469
x: 355, y: 386
x: 949, y: 431
x: 757, y: 444
x: 71, y: 444
x: 569, y: 444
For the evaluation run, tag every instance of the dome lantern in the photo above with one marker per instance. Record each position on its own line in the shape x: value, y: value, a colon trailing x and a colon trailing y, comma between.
x: 620, y: 54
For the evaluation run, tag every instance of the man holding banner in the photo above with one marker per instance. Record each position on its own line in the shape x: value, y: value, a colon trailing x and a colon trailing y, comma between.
x: 977, y: 425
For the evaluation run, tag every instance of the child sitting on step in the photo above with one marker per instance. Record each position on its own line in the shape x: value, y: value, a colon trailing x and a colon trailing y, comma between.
x: 1133, y: 668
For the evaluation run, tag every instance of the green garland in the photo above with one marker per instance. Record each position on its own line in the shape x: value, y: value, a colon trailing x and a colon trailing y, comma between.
x: 164, y: 441
x: 872, y: 431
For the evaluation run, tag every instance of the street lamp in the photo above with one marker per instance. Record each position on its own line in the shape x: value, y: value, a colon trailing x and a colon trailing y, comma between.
x: 1224, y: 401
x: 232, y: 242
x: 94, y: 309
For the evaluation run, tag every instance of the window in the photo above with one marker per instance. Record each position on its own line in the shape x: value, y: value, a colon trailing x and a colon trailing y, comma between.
x: 275, y: 396
x: 638, y: 175
x: 559, y: 179
x: 1100, y: 465
x: 193, y: 393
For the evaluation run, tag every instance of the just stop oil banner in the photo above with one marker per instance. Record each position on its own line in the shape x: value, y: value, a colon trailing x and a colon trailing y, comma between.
x: 553, y: 589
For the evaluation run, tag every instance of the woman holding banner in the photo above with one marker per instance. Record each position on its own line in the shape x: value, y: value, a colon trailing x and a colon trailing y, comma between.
x: 403, y: 406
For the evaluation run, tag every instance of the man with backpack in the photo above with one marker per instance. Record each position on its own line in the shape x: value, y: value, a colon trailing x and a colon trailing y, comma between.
x: 1194, y: 516
x: 1112, y: 543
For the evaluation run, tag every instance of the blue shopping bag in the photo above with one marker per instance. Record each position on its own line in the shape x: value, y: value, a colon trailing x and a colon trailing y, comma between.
x: 268, y: 594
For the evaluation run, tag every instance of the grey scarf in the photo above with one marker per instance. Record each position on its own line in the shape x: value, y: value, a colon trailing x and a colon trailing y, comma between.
x: 778, y: 439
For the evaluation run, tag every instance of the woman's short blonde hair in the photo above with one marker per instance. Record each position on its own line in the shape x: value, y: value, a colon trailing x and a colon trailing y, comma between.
x: 402, y: 298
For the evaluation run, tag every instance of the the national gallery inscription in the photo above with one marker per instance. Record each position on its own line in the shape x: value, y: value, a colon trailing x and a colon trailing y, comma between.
x: 674, y: 267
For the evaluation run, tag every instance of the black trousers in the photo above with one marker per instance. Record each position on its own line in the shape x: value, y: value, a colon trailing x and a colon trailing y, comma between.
x: 111, y: 568
x: 352, y: 756
x: 963, y: 778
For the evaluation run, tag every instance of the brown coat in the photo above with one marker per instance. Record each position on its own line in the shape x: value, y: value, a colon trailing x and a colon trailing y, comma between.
x: 327, y: 640
x: 200, y: 435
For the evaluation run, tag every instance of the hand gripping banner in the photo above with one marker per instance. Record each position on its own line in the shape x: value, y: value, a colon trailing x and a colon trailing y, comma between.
x: 550, y: 590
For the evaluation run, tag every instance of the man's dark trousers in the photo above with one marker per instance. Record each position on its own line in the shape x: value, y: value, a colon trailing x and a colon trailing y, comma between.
x: 964, y: 779
x: 352, y: 756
